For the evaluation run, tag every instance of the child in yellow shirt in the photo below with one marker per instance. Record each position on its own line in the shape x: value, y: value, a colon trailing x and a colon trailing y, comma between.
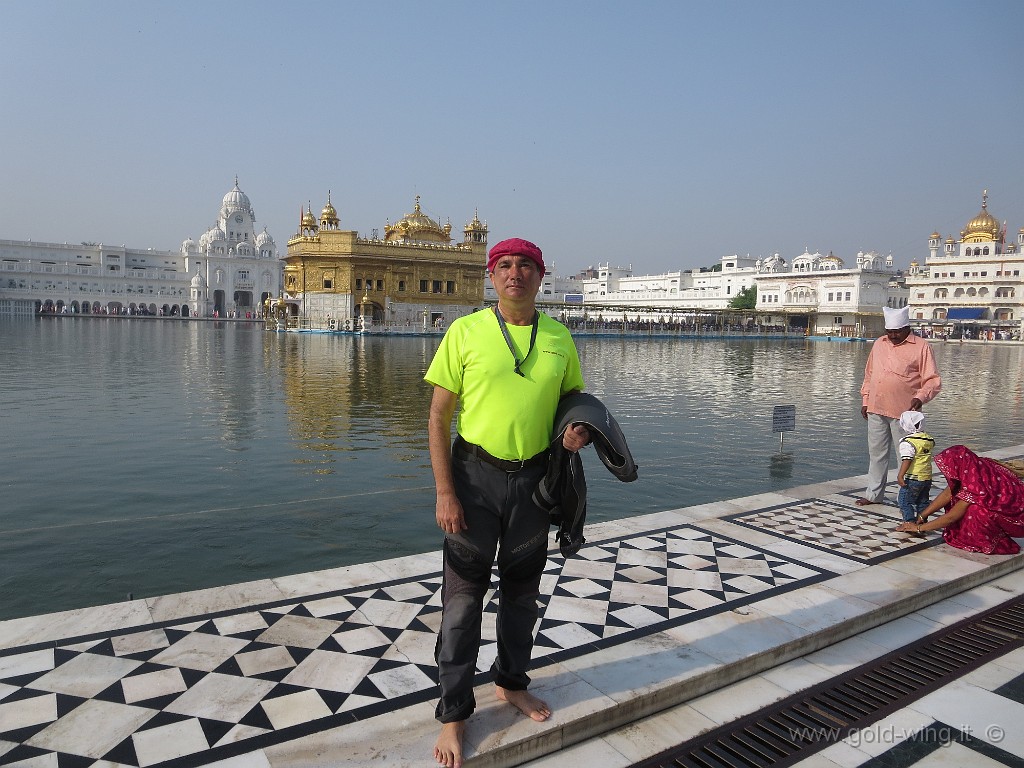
x: 915, y: 475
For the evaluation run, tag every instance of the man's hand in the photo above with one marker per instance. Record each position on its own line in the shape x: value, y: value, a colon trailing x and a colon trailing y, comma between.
x: 575, y: 437
x: 915, y: 404
x: 864, y: 411
x: 450, y: 518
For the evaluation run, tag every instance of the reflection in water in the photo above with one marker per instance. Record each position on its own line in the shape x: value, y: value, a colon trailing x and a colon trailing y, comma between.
x: 349, y: 393
x: 780, y: 466
x: 216, y: 452
x: 225, y: 382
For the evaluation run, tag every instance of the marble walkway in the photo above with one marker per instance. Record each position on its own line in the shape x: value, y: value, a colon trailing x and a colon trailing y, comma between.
x: 971, y: 721
x: 335, y: 668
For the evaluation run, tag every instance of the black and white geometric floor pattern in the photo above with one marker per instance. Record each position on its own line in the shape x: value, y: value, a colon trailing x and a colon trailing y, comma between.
x: 187, y: 693
x: 858, y: 533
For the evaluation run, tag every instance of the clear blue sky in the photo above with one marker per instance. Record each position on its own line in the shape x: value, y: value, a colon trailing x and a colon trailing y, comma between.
x: 659, y: 134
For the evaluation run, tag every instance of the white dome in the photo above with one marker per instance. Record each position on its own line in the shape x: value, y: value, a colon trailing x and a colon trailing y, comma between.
x: 774, y: 263
x: 805, y: 261
x: 264, y: 238
x: 236, y: 200
x: 212, y: 235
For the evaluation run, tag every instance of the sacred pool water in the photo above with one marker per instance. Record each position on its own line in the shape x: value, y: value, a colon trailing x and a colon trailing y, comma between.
x: 148, y: 456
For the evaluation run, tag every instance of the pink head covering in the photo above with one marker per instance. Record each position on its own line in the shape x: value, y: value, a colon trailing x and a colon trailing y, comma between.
x: 980, y: 480
x: 995, y: 498
x: 516, y: 246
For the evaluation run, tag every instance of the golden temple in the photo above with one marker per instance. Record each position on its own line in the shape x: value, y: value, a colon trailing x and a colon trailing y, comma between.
x: 414, y: 275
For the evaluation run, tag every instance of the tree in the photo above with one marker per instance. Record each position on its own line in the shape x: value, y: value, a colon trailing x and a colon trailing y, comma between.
x: 745, y: 299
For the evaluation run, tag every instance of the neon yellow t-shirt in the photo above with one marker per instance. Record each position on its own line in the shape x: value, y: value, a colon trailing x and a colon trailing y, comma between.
x: 510, y: 416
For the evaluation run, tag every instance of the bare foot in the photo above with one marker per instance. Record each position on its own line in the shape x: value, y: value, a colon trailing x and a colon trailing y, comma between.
x: 526, y: 703
x: 448, y: 749
x: 865, y: 502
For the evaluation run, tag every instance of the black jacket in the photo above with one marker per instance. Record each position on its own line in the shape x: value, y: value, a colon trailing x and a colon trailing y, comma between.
x: 563, y: 490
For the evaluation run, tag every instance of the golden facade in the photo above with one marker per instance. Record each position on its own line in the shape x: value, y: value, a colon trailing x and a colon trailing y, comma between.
x: 415, y: 275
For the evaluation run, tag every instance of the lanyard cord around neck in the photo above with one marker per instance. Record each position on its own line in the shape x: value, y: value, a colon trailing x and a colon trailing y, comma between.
x: 508, y: 338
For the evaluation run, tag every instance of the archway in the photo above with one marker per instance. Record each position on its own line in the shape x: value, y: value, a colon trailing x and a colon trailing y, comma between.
x: 376, y: 311
x: 243, y: 301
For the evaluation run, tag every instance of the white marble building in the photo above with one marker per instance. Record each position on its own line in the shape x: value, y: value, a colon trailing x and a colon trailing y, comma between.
x: 835, y: 299
x: 233, y: 270
x: 701, y: 289
x: 228, y: 273
x: 974, y: 283
x: 816, y: 292
x: 609, y: 287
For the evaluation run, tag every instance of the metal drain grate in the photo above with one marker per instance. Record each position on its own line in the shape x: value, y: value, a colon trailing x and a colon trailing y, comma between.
x: 797, y: 727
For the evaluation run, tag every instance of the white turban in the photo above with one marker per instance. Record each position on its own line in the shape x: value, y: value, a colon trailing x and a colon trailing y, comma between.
x: 896, y: 318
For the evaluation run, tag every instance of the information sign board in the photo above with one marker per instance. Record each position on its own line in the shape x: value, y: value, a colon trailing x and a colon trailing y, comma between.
x: 784, y: 418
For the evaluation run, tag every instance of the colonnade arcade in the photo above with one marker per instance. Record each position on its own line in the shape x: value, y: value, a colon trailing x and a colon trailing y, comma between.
x: 60, y: 307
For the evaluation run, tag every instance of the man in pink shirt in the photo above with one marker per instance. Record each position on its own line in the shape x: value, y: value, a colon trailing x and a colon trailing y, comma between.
x: 900, y: 375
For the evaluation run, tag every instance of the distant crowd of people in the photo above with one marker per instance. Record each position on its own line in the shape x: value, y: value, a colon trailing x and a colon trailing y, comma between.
x: 652, y: 326
x: 979, y: 334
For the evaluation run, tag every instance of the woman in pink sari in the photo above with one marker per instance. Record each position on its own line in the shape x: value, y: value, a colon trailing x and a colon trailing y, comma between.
x: 984, y: 504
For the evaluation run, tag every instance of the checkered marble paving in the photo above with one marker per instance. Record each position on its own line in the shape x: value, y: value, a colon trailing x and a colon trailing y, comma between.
x: 859, y: 533
x: 192, y: 692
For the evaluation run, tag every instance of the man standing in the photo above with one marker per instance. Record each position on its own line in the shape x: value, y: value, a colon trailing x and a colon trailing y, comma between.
x: 900, y: 375
x: 509, y: 366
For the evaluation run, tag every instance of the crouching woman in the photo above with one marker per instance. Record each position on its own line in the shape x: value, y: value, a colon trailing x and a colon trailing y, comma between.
x: 984, y: 504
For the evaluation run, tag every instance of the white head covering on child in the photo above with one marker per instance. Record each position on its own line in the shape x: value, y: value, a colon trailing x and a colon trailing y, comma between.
x: 911, y: 421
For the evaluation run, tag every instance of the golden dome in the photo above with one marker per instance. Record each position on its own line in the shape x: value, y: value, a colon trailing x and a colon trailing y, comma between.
x: 934, y: 236
x: 329, y: 212
x: 418, y: 226
x: 307, y: 218
x: 475, y: 225
x: 983, y: 228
